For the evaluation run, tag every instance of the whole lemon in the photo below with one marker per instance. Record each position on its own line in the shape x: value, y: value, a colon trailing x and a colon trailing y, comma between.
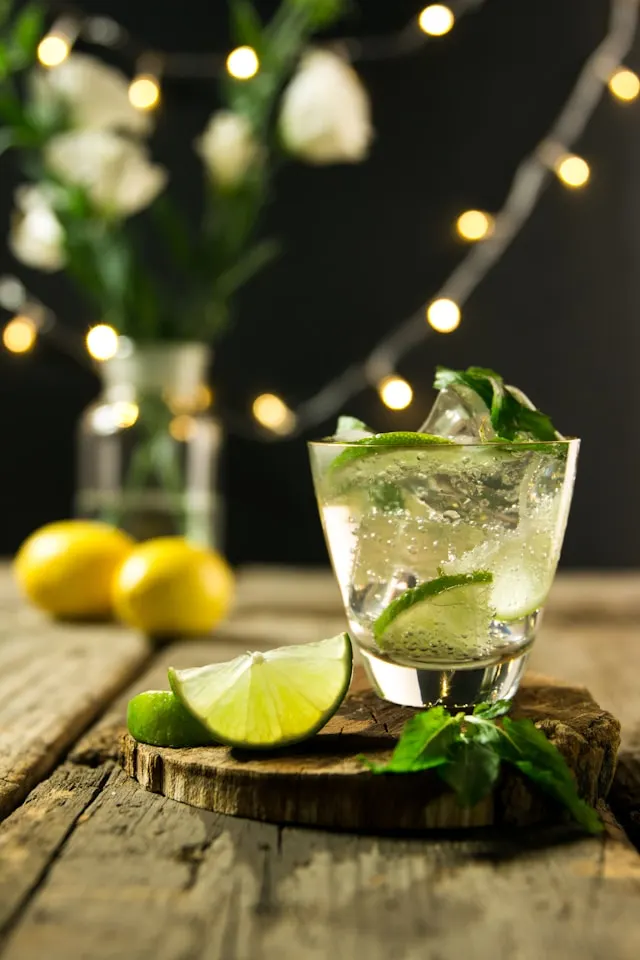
x: 67, y: 568
x: 170, y: 586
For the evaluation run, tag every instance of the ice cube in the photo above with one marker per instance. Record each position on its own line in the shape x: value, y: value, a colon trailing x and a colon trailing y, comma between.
x: 459, y: 414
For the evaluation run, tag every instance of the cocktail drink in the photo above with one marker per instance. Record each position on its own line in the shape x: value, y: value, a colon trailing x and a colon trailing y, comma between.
x: 445, y: 549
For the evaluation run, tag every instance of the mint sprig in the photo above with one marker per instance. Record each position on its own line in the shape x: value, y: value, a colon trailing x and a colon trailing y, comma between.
x: 467, y: 752
x: 511, y: 417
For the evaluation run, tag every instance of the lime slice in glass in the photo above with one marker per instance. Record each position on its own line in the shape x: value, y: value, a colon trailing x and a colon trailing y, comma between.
x: 372, y: 445
x: 158, y: 717
x: 268, y: 700
x: 446, y: 619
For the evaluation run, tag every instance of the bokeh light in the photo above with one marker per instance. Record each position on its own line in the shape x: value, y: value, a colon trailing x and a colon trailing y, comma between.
x: 573, y: 171
x: 243, y: 63
x: 19, y: 335
x: 474, y: 225
x: 436, y: 20
x: 624, y: 84
x: 443, y: 315
x: 53, y: 50
x: 395, y: 393
x: 144, y: 92
x: 273, y: 413
x: 183, y: 427
x: 102, y: 342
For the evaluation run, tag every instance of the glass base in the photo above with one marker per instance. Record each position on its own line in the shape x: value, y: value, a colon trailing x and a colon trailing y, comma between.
x: 463, y: 686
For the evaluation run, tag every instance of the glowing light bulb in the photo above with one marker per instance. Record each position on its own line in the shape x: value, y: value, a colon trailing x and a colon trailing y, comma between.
x: 19, y: 335
x: 474, y: 225
x: 183, y: 427
x: 443, y: 315
x: 102, y: 342
x: 436, y: 20
x: 573, y: 171
x: 624, y: 84
x: 144, y: 92
x: 243, y: 63
x: 53, y: 50
x: 271, y: 412
x: 395, y: 393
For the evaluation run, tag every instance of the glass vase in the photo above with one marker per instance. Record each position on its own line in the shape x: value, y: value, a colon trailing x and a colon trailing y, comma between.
x: 149, y: 448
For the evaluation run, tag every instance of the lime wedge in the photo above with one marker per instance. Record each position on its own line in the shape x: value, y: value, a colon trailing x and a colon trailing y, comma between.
x: 158, y: 717
x: 370, y: 445
x: 268, y: 700
x: 444, y: 619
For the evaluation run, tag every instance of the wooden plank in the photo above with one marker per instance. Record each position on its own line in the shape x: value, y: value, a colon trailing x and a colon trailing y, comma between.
x: 146, y: 878
x: 31, y: 836
x: 56, y: 678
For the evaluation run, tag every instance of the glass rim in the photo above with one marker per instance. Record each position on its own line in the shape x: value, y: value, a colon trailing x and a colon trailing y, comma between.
x: 485, y: 445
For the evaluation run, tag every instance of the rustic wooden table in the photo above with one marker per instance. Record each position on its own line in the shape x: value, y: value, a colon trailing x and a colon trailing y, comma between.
x: 92, y: 866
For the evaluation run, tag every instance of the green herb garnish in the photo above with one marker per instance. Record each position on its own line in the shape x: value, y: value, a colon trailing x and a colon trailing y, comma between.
x: 512, y: 415
x: 467, y: 751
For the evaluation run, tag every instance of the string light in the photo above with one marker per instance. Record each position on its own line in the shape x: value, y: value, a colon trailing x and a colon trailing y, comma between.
x: 19, y: 335
x: 271, y: 412
x: 183, y: 428
x: 102, y: 342
x: 395, y: 393
x: 436, y: 20
x: 572, y: 170
x: 144, y: 92
x: 53, y: 50
x: 243, y: 63
x: 624, y: 84
x: 551, y: 153
x: 444, y: 315
x: 474, y: 225
x: 108, y: 418
x: 55, y: 47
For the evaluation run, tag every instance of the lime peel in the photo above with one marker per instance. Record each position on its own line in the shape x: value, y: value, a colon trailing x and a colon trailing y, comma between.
x: 369, y: 445
x: 263, y: 701
x: 157, y: 717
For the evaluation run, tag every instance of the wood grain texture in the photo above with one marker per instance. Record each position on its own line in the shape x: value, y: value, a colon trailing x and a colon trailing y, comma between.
x: 56, y: 679
x: 322, y: 783
x: 145, y: 878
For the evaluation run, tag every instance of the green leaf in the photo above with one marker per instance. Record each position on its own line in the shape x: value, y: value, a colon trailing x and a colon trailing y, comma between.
x: 424, y: 743
x: 246, y: 26
x: 321, y: 13
x: 471, y: 771
x: 489, y: 711
x: 387, y: 497
x: 511, y: 416
x: 527, y: 748
x: 28, y: 30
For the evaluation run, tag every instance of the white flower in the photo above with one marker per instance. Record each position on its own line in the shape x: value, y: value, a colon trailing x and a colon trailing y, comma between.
x: 228, y: 148
x: 115, y: 171
x: 326, y: 114
x: 96, y: 95
x: 37, y: 237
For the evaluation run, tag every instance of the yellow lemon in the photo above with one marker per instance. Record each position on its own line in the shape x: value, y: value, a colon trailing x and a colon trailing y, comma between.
x: 170, y: 586
x: 67, y: 568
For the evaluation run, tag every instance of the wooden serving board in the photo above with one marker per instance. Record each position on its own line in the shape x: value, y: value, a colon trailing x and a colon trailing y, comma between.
x: 321, y: 782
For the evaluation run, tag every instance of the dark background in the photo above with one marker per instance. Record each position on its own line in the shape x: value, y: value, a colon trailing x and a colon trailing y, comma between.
x: 365, y: 245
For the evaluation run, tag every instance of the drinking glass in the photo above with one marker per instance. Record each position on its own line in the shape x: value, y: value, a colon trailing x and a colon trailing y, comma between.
x: 445, y: 554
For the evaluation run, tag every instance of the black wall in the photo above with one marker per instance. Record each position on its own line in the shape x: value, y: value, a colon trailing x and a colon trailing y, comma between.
x: 367, y: 244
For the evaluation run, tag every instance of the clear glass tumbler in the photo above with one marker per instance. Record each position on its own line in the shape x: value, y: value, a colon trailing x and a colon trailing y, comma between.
x: 444, y: 555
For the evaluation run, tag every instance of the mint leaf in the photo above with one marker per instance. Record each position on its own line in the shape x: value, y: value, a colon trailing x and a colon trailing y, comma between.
x: 472, y: 771
x: 489, y: 711
x: 511, y: 412
x: 424, y: 743
x: 387, y: 497
x: 527, y: 748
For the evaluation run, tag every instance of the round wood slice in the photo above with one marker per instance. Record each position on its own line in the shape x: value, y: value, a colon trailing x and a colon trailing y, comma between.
x: 322, y: 783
